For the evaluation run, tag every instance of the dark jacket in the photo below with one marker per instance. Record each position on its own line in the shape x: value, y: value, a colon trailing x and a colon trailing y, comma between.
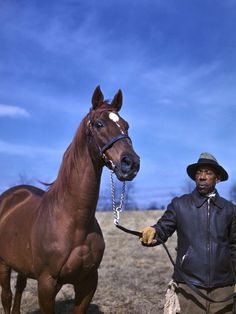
x: 206, y: 248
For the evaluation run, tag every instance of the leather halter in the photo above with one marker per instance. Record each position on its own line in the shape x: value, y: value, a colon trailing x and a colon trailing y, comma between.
x: 110, y: 142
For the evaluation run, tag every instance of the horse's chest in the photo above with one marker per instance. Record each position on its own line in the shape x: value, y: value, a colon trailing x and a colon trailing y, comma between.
x: 82, y: 258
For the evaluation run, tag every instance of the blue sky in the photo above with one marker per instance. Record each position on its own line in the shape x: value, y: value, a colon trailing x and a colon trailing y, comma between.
x: 175, y: 62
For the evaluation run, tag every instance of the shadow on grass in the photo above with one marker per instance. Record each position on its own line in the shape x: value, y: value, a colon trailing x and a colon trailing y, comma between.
x: 67, y: 306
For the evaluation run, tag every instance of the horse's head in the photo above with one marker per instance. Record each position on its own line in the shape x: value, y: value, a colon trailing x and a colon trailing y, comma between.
x: 108, y: 133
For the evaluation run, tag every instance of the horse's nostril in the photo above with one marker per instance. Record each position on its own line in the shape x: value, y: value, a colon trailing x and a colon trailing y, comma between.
x: 126, y: 164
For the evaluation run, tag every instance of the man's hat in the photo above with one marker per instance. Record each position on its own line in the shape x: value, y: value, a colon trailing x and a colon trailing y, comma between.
x: 207, y: 159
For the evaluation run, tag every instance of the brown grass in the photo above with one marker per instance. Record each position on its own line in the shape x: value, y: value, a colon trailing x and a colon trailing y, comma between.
x: 132, y: 278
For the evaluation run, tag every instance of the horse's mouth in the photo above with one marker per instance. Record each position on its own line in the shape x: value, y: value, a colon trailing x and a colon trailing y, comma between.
x: 125, y: 177
x: 126, y: 169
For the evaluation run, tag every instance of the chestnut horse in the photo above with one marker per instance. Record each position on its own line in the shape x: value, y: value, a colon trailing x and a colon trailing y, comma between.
x: 53, y: 236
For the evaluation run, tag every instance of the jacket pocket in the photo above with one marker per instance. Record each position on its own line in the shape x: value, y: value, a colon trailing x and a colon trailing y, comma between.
x: 222, y: 260
x: 187, y: 260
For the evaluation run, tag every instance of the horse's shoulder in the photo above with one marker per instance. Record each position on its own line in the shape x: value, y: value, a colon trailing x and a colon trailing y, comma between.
x: 16, y: 195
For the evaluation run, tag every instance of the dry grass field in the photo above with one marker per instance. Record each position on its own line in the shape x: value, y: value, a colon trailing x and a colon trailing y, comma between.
x: 132, y: 278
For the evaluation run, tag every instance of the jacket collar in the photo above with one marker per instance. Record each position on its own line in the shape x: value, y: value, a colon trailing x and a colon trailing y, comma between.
x: 199, y: 200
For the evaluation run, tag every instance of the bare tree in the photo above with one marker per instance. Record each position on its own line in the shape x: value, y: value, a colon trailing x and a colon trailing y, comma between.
x: 130, y: 203
x: 105, y: 198
x: 154, y: 205
x: 23, y: 178
x: 232, y: 193
x: 188, y: 186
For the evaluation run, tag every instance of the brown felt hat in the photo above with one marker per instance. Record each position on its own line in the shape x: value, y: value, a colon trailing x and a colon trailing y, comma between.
x: 207, y: 159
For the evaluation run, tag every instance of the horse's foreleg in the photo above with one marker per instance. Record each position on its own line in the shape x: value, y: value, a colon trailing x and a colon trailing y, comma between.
x: 84, y: 292
x: 5, y: 282
x: 20, y: 286
x: 47, y: 291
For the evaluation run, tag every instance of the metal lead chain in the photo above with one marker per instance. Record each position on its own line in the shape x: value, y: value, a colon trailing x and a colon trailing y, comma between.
x: 117, y: 208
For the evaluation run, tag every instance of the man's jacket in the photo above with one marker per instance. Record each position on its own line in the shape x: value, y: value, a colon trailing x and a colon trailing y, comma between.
x: 206, y: 230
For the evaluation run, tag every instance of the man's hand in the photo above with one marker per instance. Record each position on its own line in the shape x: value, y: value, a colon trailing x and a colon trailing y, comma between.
x: 148, y: 235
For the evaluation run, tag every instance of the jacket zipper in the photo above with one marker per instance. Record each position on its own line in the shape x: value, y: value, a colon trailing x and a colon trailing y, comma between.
x: 208, y: 238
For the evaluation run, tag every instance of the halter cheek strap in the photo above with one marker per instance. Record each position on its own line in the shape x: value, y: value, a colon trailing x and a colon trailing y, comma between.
x: 111, y: 141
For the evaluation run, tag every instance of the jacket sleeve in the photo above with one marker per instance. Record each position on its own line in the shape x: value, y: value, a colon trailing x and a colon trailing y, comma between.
x: 233, y: 242
x: 166, y: 225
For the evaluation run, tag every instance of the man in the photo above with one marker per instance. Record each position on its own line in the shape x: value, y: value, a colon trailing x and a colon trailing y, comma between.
x: 206, y: 249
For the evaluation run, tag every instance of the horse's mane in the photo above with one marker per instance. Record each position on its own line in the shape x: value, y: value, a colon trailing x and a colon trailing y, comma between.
x: 70, y: 159
x: 69, y: 163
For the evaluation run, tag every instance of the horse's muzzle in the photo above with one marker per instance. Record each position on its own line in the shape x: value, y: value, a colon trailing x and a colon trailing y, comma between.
x: 127, y: 168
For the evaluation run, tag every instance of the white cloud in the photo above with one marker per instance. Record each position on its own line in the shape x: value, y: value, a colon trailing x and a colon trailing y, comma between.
x: 27, y: 150
x: 13, y: 111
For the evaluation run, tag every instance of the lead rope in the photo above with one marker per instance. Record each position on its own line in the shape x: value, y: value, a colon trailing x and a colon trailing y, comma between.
x: 117, y: 208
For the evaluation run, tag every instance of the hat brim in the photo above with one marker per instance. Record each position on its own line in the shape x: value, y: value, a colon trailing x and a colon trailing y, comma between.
x: 191, y: 170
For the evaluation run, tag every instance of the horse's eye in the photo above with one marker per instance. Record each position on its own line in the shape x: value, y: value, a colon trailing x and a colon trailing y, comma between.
x: 99, y: 124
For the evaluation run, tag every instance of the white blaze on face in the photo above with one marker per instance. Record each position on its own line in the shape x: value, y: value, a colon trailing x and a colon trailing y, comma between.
x: 114, y: 117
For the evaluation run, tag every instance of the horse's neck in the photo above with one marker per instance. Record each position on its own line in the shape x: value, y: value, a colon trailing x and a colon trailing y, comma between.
x: 85, y: 184
x: 77, y: 190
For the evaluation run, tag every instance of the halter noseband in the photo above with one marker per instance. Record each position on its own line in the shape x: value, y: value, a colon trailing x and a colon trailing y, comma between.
x: 110, y: 143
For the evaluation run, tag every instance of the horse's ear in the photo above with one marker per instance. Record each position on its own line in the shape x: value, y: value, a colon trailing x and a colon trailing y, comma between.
x: 117, y: 101
x: 97, y: 97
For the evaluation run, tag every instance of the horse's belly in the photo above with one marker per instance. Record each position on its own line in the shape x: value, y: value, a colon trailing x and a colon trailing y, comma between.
x: 81, y: 260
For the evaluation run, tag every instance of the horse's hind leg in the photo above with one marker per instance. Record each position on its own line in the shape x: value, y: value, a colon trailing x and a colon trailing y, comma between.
x: 20, y: 286
x: 84, y: 292
x: 5, y: 282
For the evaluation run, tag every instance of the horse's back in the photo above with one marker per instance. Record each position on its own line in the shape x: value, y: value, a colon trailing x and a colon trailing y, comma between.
x: 17, y: 196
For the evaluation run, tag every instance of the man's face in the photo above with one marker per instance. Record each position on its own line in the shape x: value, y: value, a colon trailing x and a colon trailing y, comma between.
x: 206, y: 179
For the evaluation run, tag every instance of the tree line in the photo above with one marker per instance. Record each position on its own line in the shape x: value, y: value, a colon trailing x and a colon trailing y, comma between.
x: 130, y: 203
